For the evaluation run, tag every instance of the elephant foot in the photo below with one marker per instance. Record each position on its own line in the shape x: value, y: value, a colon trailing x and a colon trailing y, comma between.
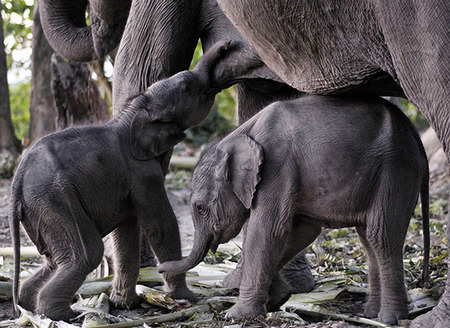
x: 279, y: 293
x: 391, y: 317
x: 233, y: 279
x: 297, y: 274
x: 125, y: 299
x: 183, y: 293
x: 28, y: 303
x: 439, y: 317
x: 371, y: 309
x: 245, y: 311
x: 56, y: 313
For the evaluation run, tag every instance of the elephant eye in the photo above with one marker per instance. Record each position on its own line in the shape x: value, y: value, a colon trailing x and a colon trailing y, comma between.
x: 186, y: 87
x: 201, y: 209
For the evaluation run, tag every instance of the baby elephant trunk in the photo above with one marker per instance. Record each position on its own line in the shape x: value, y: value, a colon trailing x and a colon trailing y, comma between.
x: 202, y: 244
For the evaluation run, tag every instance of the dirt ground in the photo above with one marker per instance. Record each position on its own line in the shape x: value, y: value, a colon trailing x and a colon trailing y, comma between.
x: 179, y: 196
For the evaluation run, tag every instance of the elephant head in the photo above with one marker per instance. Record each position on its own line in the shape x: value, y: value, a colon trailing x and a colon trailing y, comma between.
x: 65, y: 27
x: 223, y: 185
x: 173, y: 105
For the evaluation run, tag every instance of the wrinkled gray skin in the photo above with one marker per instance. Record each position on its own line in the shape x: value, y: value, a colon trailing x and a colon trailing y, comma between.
x: 329, y: 46
x: 76, y: 186
x: 65, y: 27
x: 145, y: 56
x: 301, y: 165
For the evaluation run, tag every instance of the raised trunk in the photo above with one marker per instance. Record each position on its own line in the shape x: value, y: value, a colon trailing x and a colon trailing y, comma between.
x: 64, y: 25
x: 202, y: 243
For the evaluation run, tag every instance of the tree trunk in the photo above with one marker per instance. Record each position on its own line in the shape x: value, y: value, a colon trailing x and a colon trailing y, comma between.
x: 10, y: 147
x: 42, y: 113
x: 77, y: 99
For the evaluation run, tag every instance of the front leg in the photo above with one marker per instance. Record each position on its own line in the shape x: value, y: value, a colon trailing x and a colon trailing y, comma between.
x: 262, y: 250
x: 126, y: 264
x: 159, y: 224
x: 302, y: 233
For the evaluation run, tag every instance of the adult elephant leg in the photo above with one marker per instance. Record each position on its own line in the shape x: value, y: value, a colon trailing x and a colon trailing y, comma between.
x: 159, y: 40
x: 297, y: 274
x: 422, y: 65
x: 126, y: 268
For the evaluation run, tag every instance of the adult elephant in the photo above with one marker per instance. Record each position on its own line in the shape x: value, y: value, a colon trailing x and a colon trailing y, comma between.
x: 331, y: 46
x: 155, y: 40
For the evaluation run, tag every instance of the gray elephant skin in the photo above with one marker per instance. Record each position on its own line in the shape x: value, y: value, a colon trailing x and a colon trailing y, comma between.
x: 379, y: 47
x: 301, y: 165
x: 75, y: 186
x: 158, y: 41
x: 333, y: 46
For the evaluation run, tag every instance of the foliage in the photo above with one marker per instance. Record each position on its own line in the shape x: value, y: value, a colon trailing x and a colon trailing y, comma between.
x: 17, y: 18
x: 20, y: 108
x: 419, y: 121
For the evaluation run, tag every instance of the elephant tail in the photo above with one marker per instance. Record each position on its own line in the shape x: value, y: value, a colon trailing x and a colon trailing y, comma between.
x: 15, y: 216
x: 425, y: 200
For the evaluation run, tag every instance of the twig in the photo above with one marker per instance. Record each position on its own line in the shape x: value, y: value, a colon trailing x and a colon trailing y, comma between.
x: 312, y: 309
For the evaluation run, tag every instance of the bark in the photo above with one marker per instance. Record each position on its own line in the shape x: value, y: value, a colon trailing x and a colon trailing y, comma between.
x: 77, y: 99
x: 9, y: 144
x: 42, y: 113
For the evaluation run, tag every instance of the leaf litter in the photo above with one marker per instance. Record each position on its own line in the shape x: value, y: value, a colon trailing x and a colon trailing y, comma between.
x: 337, y: 261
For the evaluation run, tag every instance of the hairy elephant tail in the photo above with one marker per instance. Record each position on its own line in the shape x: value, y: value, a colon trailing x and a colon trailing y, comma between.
x: 425, y: 200
x: 15, y: 216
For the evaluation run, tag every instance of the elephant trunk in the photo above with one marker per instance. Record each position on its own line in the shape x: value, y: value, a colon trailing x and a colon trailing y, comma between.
x: 212, y: 57
x: 201, y: 247
x: 64, y: 25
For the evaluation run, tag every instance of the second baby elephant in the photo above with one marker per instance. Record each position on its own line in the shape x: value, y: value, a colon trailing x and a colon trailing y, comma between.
x: 75, y: 186
x: 301, y: 165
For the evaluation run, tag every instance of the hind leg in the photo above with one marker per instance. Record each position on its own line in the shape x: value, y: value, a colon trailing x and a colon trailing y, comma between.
x: 385, y: 242
x: 77, y: 249
x: 373, y: 302
x: 29, y: 289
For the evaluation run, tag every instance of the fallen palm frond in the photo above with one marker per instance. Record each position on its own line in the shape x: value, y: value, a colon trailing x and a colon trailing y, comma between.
x: 101, y: 304
x: 39, y: 320
x: 156, y: 298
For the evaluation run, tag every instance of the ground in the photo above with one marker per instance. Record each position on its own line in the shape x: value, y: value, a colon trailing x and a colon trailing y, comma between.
x: 337, y: 262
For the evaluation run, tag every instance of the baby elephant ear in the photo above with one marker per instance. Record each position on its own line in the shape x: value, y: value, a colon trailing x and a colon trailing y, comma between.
x: 149, y: 139
x: 243, y: 157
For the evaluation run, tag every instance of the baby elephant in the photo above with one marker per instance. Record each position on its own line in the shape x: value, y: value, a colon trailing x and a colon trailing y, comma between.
x: 301, y: 165
x: 76, y: 186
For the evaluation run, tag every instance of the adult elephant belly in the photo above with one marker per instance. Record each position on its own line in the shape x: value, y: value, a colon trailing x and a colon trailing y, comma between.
x: 322, y: 49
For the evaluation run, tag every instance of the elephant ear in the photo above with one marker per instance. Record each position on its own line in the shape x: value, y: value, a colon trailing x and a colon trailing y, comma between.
x: 241, y: 162
x: 149, y: 139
